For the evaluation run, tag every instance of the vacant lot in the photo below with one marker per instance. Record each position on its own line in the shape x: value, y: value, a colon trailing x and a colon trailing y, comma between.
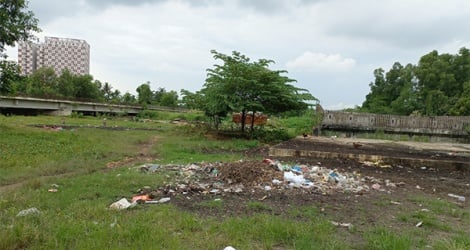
x: 224, y: 192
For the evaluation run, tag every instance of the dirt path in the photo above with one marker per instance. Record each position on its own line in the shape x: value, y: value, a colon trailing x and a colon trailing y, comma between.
x: 144, y: 156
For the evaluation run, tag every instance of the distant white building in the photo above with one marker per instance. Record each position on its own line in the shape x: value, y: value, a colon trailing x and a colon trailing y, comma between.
x: 56, y: 53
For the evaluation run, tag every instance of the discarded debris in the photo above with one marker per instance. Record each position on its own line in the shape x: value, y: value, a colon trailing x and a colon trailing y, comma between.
x: 162, y: 200
x: 458, y: 197
x: 29, y: 211
x: 339, y: 224
x: 54, y: 188
x: 151, y: 168
x: 145, y: 197
x: 122, y: 204
x: 419, y: 224
x: 266, y: 176
x: 378, y: 163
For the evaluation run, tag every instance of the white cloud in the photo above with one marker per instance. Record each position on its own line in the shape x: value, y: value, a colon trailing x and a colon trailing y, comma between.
x: 331, y: 47
x: 310, y: 61
x: 338, y: 106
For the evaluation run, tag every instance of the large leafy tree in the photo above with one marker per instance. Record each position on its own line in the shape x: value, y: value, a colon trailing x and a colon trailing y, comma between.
x: 240, y: 85
x: 129, y: 98
x: 16, y: 23
x: 192, y: 100
x: 9, y: 74
x: 144, y: 94
x: 435, y: 86
x: 86, y: 89
x: 65, y: 87
x: 43, y: 83
x: 169, y: 99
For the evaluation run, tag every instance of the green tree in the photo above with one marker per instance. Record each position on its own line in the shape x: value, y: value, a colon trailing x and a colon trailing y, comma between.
x: 239, y: 85
x: 65, y: 85
x: 169, y: 99
x: 86, y: 89
x: 43, y: 83
x: 144, y: 94
x: 436, y: 86
x: 191, y: 100
x: 462, y: 105
x: 16, y: 22
x: 107, y: 91
x: 376, y: 101
x: 128, y: 98
x: 115, y: 96
x: 9, y: 74
x: 437, y: 83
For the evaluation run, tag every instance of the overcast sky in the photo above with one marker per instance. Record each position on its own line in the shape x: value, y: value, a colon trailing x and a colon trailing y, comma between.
x: 331, y: 47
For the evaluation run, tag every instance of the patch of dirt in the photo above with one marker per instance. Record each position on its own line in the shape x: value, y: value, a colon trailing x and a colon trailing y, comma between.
x: 144, y: 156
x: 393, y: 191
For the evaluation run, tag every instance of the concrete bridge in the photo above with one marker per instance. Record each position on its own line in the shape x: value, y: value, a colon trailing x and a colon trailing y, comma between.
x: 28, y: 105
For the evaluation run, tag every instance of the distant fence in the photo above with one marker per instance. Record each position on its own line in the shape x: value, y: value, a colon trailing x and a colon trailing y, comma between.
x: 428, y: 125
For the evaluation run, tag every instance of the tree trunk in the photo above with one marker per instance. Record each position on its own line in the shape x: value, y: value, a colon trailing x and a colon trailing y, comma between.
x: 243, y: 120
x: 253, y: 121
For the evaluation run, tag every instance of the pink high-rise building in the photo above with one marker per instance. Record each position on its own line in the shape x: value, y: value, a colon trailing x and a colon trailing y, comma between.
x: 56, y: 53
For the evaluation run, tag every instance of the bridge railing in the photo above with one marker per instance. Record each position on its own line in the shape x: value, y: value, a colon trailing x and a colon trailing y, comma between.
x: 443, y: 125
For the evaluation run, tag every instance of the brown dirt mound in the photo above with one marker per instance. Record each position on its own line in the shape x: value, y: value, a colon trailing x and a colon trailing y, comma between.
x: 248, y: 173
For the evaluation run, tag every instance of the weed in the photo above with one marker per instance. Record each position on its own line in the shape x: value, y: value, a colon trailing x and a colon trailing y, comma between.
x: 381, y: 238
x: 460, y: 241
x: 216, y: 204
x: 258, y: 206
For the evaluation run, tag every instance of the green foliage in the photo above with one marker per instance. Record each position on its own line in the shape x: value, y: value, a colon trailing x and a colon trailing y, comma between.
x: 258, y: 206
x: 9, y: 74
x: 438, y: 85
x: 16, y: 22
x: 144, y: 94
x: 239, y: 85
x: 298, y: 124
x: 458, y: 242
x: 169, y: 116
x: 44, y: 83
x: 270, y: 135
x: 160, y: 97
x: 382, y: 238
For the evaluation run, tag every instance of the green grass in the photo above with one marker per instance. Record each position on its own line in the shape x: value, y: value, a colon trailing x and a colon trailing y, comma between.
x: 296, y: 125
x: 77, y: 216
x: 258, y: 206
x: 382, y: 238
x: 182, y: 147
x: 31, y: 152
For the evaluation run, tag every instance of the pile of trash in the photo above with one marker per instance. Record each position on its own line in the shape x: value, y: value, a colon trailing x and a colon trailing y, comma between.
x: 266, y: 175
x: 249, y: 176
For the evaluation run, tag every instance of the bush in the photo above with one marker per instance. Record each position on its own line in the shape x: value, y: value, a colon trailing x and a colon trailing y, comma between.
x: 271, y: 135
x: 77, y: 115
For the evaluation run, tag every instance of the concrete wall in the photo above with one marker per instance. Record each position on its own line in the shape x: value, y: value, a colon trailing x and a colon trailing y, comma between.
x: 432, y: 125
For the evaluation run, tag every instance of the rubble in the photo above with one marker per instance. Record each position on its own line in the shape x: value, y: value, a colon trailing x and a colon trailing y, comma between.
x: 29, y: 211
x: 258, y: 176
x: 458, y: 197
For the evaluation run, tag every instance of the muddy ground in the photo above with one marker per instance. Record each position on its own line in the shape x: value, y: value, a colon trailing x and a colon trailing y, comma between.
x: 393, y: 189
